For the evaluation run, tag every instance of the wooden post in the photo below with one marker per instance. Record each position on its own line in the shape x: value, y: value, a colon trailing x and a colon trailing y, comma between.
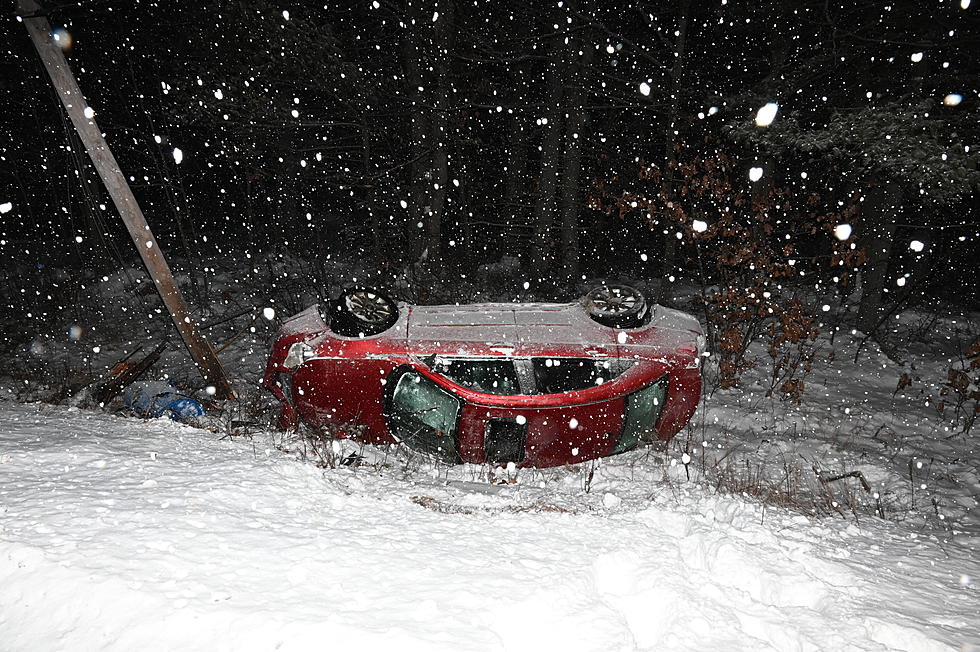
x: 122, y: 196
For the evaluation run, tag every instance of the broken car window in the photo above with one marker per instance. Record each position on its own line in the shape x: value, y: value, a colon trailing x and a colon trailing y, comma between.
x: 424, y: 416
x: 487, y: 376
x: 558, y: 375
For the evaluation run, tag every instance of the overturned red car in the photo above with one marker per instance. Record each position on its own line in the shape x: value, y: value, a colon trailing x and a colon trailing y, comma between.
x: 529, y: 384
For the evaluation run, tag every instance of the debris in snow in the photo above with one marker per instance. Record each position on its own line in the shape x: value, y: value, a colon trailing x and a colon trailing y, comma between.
x: 755, y: 174
x: 152, y: 399
x: 842, y: 232
x: 766, y: 114
x: 124, y: 372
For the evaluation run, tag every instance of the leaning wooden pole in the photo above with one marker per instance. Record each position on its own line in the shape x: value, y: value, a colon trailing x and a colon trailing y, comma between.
x: 122, y: 196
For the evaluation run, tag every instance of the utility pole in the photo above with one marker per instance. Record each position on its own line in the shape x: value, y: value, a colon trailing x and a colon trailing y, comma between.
x: 122, y: 196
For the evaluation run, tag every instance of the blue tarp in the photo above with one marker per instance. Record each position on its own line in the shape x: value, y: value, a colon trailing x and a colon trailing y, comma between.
x: 157, y: 398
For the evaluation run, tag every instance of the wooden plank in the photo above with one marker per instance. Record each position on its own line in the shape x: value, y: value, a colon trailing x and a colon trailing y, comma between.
x: 122, y: 196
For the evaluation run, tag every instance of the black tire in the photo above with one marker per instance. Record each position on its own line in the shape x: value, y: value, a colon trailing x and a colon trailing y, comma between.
x: 617, y: 306
x: 362, y: 311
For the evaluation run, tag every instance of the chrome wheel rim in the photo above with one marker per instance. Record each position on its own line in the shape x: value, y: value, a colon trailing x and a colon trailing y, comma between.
x: 369, y: 307
x: 615, y: 301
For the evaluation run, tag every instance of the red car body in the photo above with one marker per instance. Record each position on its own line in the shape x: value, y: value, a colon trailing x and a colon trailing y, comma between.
x: 530, y: 384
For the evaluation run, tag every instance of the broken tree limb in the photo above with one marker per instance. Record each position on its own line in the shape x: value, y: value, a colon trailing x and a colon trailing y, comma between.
x: 226, y: 318
x: 122, y: 196
x: 852, y: 474
x: 124, y: 373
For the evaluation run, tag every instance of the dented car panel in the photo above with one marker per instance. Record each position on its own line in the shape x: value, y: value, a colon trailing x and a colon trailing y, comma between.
x: 525, y: 384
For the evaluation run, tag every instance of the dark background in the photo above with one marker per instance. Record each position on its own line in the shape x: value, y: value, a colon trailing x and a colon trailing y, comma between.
x: 506, y: 129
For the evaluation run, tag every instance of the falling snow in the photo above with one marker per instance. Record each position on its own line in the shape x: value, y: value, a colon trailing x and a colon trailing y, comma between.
x: 800, y: 179
x: 842, y: 231
x: 766, y: 114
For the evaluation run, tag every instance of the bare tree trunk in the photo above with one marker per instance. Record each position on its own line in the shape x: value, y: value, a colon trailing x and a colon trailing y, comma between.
x: 570, y: 197
x: 516, y: 191
x: 545, y: 209
x: 570, y: 193
x: 368, y: 186
x: 881, y: 207
x: 439, y: 134
x: 463, y: 210
x: 670, y: 156
x: 287, y: 204
x: 418, y: 201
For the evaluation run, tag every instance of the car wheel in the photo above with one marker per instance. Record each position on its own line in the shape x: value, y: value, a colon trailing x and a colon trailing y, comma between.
x: 362, y: 311
x: 617, y: 306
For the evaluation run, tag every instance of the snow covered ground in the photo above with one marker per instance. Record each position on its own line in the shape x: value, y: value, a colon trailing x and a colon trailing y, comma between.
x: 119, y: 534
